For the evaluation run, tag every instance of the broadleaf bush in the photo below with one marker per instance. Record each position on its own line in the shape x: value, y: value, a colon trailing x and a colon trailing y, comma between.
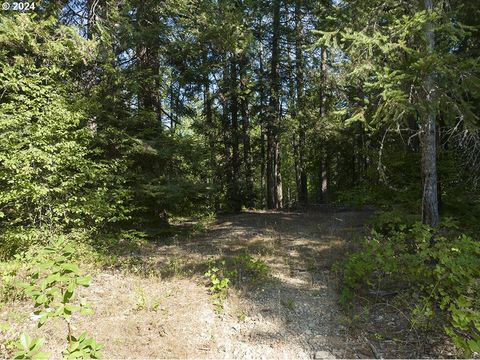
x: 438, y: 266
x: 53, y: 280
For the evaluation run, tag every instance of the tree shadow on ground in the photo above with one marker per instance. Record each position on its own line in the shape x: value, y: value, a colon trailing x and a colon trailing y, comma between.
x: 298, y: 302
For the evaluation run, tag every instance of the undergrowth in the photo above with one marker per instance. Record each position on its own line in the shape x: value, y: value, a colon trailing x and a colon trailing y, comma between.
x: 234, y: 271
x: 439, y: 268
x: 50, y: 277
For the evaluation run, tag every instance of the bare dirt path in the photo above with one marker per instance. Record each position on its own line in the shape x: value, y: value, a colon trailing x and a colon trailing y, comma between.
x: 165, y: 311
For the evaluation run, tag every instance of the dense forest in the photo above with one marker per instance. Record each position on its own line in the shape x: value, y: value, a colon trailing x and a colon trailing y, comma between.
x: 124, y: 122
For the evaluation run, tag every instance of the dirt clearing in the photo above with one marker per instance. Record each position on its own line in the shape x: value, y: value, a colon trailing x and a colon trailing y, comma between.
x: 168, y: 312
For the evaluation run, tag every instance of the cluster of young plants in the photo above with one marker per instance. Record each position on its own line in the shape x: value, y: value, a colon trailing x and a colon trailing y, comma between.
x: 53, y: 279
x: 204, y: 220
x: 146, y: 303
x: 246, y: 266
x: 234, y: 271
x: 219, y: 283
x: 439, y: 267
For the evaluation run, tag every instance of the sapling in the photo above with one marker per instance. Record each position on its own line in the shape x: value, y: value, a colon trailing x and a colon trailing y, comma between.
x: 54, y: 279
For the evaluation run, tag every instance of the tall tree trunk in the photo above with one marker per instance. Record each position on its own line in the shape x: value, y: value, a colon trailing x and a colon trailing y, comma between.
x: 302, y: 175
x: 274, y: 196
x: 270, y: 171
x: 226, y: 138
x: 278, y: 177
x: 172, y: 104
x: 324, y: 151
x: 210, y: 130
x: 235, y: 163
x: 324, y: 174
x: 430, y: 215
x: 247, y: 156
x: 293, y: 110
x: 263, y: 131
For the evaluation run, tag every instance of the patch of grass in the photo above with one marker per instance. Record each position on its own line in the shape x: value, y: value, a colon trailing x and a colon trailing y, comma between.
x: 237, y: 270
x: 175, y: 268
x: 242, y: 316
x: 138, y: 265
x: 141, y: 300
x: 9, y: 280
x: 7, y: 340
x: 144, y: 303
x: 247, y: 268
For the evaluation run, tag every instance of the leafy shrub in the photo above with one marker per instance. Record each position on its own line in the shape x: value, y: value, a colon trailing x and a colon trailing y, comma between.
x: 219, y: 284
x: 50, y: 175
x: 53, y: 281
x: 443, y: 269
x: 392, y: 221
x: 30, y: 348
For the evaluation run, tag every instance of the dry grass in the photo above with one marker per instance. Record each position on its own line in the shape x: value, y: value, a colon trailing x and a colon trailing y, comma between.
x: 157, y: 304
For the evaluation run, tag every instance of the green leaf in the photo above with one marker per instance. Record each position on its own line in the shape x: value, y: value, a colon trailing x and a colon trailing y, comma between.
x: 37, y: 344
x: 84, y: 281
x: 474, y: 345
x: 25, y: 341
x: 40, y: 300
x: 71, y: 267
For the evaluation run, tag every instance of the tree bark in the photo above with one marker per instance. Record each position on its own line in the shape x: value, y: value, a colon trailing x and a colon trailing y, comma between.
x: 263, y: 131
x: 430, y: 215
x: 235, y: 197
x: 274, y: 195
x: 247, y: 156
x: 324, y: 150
x: 302, y: 175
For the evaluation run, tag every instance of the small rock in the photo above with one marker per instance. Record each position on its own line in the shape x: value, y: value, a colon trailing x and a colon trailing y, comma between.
x: 323, y: 355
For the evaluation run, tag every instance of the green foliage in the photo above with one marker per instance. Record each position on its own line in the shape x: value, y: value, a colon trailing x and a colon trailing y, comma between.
x: 9, y: 289
x: 141, y: 303
x: 48, y: 174
x: 30, y: 348
x: 389, y: 61
x: 219, y: 283
x: 255, y: 269
x: 234, y: 271
x: 54, y: 279
x: 391, y: 222
x: 439, y: 266
x: 82, y: 347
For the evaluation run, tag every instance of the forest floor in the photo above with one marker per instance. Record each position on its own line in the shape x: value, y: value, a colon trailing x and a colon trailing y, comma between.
x: 162, y: 307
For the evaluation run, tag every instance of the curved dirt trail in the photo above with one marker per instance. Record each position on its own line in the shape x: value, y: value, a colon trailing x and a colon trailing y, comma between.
x: 162, y: 308
x: 296, y: 315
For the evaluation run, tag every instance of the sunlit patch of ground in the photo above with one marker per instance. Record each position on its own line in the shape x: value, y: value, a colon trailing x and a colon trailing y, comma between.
x: 161, y: 307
